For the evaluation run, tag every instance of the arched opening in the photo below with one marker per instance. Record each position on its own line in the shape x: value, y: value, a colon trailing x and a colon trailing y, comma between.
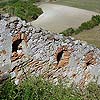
x: 90, y: 59
x: 88, y: 63
x: 59, y: 56
x: 17, y: 50
x: 18, y: 46
x: 15, y: 45
x: 62, y: 56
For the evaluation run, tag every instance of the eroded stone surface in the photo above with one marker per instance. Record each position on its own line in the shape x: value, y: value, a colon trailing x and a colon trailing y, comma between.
x: 62, y: 56
x: 34, y: 51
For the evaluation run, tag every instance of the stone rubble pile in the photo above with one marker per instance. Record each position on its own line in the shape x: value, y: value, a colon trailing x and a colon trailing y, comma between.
x: 26, y: 50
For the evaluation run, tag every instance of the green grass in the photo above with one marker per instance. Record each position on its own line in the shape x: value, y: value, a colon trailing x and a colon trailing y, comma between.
x: 39, y: 89
x: 36, y: 89
x: 26, y: 10
x: 93, y: 5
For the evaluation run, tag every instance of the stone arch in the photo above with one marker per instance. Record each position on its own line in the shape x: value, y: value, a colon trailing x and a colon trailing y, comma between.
x: 15, y: 45
x: 89, y: 59
x: 59, y: 56
x: 62, y: 56
x: 17, y: 50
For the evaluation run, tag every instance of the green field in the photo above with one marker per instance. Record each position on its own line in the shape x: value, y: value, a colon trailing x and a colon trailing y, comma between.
x: 93, y: 5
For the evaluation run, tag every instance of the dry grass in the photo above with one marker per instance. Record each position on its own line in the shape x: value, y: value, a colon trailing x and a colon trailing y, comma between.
x: 93, y: 5
x: 91, y: 36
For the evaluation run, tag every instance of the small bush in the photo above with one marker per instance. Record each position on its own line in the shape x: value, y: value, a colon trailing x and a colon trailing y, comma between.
x: 8, y: 90
x: 21, y: 8
x: 68, y: 32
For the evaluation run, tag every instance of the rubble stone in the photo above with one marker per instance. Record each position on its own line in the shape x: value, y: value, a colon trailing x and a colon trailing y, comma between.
x: 26, y: 50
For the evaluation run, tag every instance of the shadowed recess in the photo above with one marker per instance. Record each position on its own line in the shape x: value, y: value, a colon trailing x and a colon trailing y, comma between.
x: 59, y: 56
x: 15, y: 45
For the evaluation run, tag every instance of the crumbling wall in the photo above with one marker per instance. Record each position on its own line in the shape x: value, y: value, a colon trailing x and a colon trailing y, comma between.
x: 34, y: 51
x: 19, y: 46
x: 62, y: 56
x: 5, y: 47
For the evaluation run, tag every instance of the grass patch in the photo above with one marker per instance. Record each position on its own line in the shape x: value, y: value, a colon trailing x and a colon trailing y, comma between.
x: 25, y: 9
x: 36, y: 89
x: 39, y: 89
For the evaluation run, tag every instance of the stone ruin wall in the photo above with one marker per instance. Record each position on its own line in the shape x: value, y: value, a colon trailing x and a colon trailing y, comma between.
x: 5, y: 48
x: 26, y: 50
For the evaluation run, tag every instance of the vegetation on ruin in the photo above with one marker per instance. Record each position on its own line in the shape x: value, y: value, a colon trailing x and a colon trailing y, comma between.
x: 39, y: 89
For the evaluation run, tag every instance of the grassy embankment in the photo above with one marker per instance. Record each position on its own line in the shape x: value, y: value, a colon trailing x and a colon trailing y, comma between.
x: 39, y: 89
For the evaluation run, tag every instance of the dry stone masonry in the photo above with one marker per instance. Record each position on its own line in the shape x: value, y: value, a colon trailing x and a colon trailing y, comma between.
x: 26, y: 50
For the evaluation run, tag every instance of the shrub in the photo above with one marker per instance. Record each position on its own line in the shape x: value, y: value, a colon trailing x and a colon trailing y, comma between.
x: 68, y: 32
x: 23, y: 9
x: 77, y: 31
x: 8, y: 90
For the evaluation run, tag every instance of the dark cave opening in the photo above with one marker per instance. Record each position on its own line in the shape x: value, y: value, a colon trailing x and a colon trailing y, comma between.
x: 59, y: 56
x: 15, y: 45
x: 88, y: 63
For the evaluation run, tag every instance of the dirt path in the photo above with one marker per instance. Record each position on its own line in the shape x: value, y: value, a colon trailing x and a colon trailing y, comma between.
x: 57, y: 18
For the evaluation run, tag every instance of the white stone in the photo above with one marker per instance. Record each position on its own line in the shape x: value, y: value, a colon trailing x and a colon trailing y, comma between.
x: 29, y: 23
x: 19, y: 25
x: 72, y: 38
x: 76, y: 42
x: 64, y: 74
x: 64, y: 44
x: 6, y: 15
x: 16, y: 81
x: 13, y: 74
x: 98, y: 81
x: 19, y: 51
x: 24, y: 23
x: 70, y: 44
x: 51, y: 60
x: 55, y: 81
x: 12, y: 19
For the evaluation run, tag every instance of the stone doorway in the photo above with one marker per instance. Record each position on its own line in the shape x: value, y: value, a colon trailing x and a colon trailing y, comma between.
x: 15, y: 45
x: 89, y: 59
x: 62, y: 56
